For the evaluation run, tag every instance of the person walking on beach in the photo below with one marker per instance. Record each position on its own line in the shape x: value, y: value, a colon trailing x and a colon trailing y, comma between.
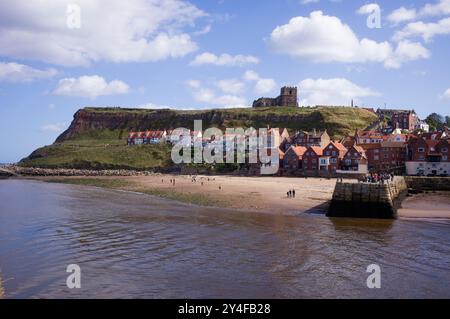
x: 293, y: 193
x: 287, y: 194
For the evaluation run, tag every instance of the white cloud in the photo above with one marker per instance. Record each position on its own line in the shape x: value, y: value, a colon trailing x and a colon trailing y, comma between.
x: 224, y: 59
x: 425, y: 30
x: 207, y: 29
x: 119, y: 31
x: 15, y: 72
x: 231, y: 86
x: 193, y: 83
x: 337, y: 91
x: 53, y: 128
x: 262, y: 85
x: 90, y: 87
x: 446, y: 95
x: 251, y: 75
x: 442, y: 7
x: 402, y: 14
x: 406, y: 51
x: 308, y: 1
x: 368, y: 9
x: 323, y: 38
x: 209, y: 96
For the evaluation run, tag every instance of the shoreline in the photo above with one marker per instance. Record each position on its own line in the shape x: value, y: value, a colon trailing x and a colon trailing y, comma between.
x: 251, y: 194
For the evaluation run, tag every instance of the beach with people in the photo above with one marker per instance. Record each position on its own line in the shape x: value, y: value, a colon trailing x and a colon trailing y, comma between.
x: 272, y: 195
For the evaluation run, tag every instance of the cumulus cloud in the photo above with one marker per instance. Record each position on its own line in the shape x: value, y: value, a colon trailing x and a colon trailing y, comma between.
x: 90, y: 87
x: 15, y: 72
x: 231, y: 97
x: 193, y: 83
x: 231, y: 86
x: 224, y: 59
x: 446, y: 95
x: 323, y: 38
x: 129, y: 31
x: 262, y: 85
x: 208, y: 96
x: 369, y: 8
x: 53, y: 128
x: 441, y: 7
x: 406, y: 51
x: 337, y: 91
x: 427, y: 31
x: 402, y: 14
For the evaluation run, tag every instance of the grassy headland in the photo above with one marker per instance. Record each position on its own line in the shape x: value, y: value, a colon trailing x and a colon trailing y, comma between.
x: 96, y: 139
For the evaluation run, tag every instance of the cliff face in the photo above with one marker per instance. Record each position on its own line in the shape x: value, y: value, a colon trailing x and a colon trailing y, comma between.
x: 124, y: 120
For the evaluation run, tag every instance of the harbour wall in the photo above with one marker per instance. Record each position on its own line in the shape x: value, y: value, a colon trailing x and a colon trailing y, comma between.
x: 368, y: 200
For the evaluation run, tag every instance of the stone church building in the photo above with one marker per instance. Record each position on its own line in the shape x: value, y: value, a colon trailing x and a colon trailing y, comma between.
x: 288, y: 97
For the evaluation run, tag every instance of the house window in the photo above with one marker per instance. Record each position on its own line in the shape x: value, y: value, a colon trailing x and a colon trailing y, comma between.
x: 445, y: 158
x: 334, y: 153
x: 421, y: 150
x: 444, y: 150
x: 376, y: 158
x: 334, y: 160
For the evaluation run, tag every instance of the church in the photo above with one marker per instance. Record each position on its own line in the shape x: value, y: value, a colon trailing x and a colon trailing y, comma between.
x: 288, y: 97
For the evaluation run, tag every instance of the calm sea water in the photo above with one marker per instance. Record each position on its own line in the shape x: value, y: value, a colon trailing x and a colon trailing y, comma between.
x: 131, y: 245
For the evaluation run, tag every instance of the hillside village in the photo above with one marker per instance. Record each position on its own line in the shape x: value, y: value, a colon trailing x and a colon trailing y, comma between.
x: 398, y: 141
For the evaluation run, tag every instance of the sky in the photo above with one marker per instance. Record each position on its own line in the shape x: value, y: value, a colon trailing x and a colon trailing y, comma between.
x: 59, y: 56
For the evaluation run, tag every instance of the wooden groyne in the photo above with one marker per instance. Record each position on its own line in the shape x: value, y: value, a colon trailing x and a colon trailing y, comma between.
x: 368, y: 200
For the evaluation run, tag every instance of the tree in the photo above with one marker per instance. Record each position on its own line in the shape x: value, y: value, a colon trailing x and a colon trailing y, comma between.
x: 435, y: 121
x: 447, y: 121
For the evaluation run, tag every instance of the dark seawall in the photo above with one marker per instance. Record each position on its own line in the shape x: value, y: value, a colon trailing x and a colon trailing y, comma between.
x: 366, y: 200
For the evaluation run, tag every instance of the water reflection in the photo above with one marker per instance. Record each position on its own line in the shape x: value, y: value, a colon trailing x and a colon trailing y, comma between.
x: 131, y: 245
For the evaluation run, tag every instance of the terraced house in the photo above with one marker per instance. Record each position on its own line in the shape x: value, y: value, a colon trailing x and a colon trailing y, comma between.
x: 429, y: 157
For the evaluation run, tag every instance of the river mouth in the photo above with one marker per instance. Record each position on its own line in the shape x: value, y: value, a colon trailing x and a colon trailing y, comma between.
x: 131, y: 245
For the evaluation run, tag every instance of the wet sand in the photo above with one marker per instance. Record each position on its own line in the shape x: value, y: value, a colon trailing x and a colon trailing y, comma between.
x: 260, y: 194
x: 428, y: 205
x: 256, y: 194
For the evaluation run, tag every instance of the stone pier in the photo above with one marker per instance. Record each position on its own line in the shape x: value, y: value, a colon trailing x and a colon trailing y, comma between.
x: 368, y: 200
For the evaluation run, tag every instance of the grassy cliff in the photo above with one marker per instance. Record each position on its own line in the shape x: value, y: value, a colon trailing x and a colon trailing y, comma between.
x: 96, y: 137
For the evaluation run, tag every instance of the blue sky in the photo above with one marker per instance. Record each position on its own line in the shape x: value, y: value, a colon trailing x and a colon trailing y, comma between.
x: 211, y: 54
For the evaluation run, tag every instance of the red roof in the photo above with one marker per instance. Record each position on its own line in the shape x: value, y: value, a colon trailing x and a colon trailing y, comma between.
x: 339, y: 146
x: 298, y: 150
x: 316, y: 149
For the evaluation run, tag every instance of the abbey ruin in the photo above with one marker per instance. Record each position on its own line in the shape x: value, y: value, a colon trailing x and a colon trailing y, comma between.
x: 288, y: 97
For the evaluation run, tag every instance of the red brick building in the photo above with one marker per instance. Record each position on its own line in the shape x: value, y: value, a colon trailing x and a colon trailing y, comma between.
x: 336, y: 152
x: 428, y: 157
x: 311, y: 158
x: 293, y: 158
x: 314, y: 138
x: 354, y: 156
x: 402, y: 119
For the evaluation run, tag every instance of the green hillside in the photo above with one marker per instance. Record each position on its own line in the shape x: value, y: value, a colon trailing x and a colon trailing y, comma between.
x: 97, y: 136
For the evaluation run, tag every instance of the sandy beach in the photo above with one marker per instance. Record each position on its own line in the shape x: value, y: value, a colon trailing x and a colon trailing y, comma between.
x: 427, y: 205
x: 258, y: 194
x: 255, y: 194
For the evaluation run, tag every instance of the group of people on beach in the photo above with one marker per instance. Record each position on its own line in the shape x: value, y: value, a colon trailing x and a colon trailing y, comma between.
x: 172, y: 181
x: 379, y: 178
x: 291, y: 193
